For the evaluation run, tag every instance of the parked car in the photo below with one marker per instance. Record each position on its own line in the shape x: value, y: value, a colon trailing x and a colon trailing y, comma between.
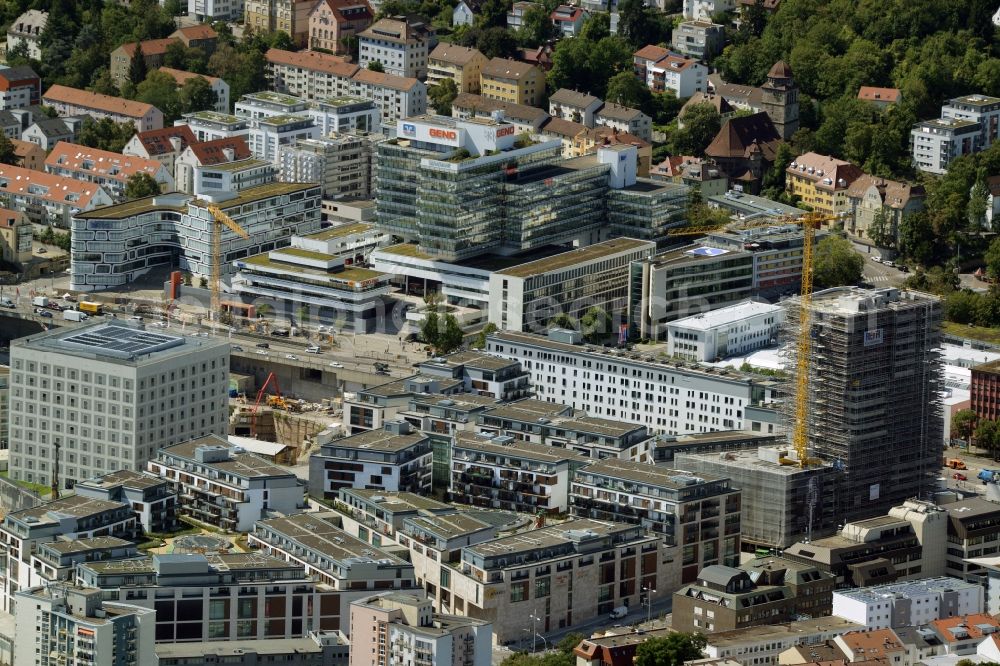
x: 291, y: 357
x: 889, y: 263
x: 877, y: 259
x: 313, y: 349
x: 237, y: 348
x: 334, y: 364
x: 43, y: 313
x: 263, y: 345
x: 7, y: 303
x: 262, y: 352
x: 958, y: 476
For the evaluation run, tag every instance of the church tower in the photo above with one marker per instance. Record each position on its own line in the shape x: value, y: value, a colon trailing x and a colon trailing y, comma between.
x: 780, y: 100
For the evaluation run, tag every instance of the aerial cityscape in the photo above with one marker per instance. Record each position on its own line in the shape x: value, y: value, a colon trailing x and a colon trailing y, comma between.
x: 499, y: 333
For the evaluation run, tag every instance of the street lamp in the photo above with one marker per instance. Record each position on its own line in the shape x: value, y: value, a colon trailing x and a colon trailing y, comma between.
x: 534, y: 633
x: 649, y: 601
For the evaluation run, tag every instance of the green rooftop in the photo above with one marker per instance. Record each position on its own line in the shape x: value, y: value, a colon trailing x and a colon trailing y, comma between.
x: 252, y: 194
x: 341, y: 231
x: 284, y: 119
x: 407, y: 250
x: 305, y: 254
x: 349, y: 274
x: 576, y: 257
x: 344, y: 100
x: 239, y: 165
x: 274, y: 97
x: 132, y: 208
x: 215, y: 117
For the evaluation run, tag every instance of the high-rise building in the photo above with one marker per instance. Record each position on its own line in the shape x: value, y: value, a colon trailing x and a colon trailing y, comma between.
x: 874, y: 403
x: 107, y: 396
x: 74, y: 624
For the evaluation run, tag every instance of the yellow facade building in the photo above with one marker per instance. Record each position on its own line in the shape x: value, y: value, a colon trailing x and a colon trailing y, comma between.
x: 461, y: 64
x: 512, y: 81
x: 821, y: 182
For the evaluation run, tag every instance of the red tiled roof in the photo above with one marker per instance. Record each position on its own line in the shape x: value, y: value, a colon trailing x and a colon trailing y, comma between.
x: 57, y: 189
x: 349, y: 10
x: 8, y: 217
x: 101, y: 163
x: 149, y: 47
x: 561, y: 14
x: 970, y: 625
x: 651, y: 52
x: 181, y: 77
x: 384, y: 80
x: 157, y: 142
x: 872, y: 94
x: 820, y: 168
x: 89, y: 100
x: 197, y: 32
x: 321, y: 62
x: 213, y: 152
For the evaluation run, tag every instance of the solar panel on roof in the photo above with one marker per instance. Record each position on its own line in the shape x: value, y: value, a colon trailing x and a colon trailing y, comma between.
x: 122, y: 341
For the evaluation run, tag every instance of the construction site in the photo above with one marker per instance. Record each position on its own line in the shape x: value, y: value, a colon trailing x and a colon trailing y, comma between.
x: 874, y: 377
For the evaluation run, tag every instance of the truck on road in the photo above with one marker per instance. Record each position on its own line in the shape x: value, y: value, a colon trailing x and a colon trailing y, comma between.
x: 91, y: 308
x: 618, y: 613
x: 989, y: 475
x: 955, y: 463
x: 40, y: 301
x: 75, y: 315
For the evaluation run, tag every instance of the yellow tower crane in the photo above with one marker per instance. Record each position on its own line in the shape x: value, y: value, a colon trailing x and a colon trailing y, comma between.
x: 220, y: 219
x: 803, y: 342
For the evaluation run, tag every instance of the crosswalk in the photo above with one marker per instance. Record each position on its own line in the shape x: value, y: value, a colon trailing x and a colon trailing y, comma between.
x: 875, y: 279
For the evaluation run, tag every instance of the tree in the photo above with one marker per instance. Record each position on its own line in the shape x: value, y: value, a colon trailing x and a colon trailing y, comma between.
x: 497, y: 43
x: 835, y: 263
x: 160, y: 90
x: 978, y: 203
x: 173, y: 7
x: 671, y: 650
x: 105, y: 134
x: 376, y: 66
x: 992, y: 259
x: 701, y: 123
x: 429, y: 328
x: 7, y: 153
x: 987, y: 436
x: 563, y: 320
x: 963, y: 423
x: 536, y: 27
x: 451, y: 336
x: 442, y: 95
x: 774, y: 178
x: 141, y: 185
x: 196, y: 95
x: 625, y: 89
x: 137, y: 66
x: 479, y: 342
x: 175, y: 55
x: 597, y: 27
x: 639, y: 25
x: 595, y: 324
x: 880, y: 230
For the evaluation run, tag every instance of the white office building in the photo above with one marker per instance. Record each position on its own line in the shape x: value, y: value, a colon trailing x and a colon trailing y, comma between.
x: 908, y: 604
x: 117, y: 244
x: 72, y: 625
x: 212, y: 125
x: 401, y: 44
x: 734, y: 330
x: 981, y: 109
x: 108, y: 396
x: 267, y: 135
x: 666, y: 397
x: 936, y: 143
x: 346, y: 114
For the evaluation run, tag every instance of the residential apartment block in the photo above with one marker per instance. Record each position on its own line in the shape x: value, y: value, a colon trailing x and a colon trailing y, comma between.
x: 108, y: 396
x: 163, y: 145
x: 318, y: 543
x: 665, y: 397
x: 20, y: 87
x: 391, y: 458
x: 401, y: 44
x: 821, y: 182
x: 461, y: 64
x: 936, y: 143
x: 222, y: 485
x: 73, y: 102
x: 502, y: 473
x: 870, y: 196
x: 27, y: 29
x: 75, y: 622
x: 152, y: 499
x: 47, y: 198
x: 153, y: 53
x: 700, y: 515
x: 661, y: 70
x: 332, y: 23
x: 111, y: 171
x: 512, y: 81
x: 67, y: 519
x: 341, y: 164
x: 698, y: 39
x: 217, y: 597
x: 404, y: 625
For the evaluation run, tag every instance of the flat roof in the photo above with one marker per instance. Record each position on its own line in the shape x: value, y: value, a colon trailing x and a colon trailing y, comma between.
x: 244, y: 465
x: 515, y: 449
x: 726, y: 315
x: 239, y: 648
x: 472, y: 359
x: 216, y: 117
x: 174, y: 201
x: 217, y: 562
x: 695, y: 253
x: 116, y: 340
x: 75, y: 506
x: 86, y: 545
x: 406, y: 250
x: 597, y: 426
x: 906, y: 588
x: 252, y: 194
x: 346, y: 274
x: 547, y: 537
x: 530, y: 409
x: 748, y: 460
x: 578, y: 256
x: 341, y: 231
x: 379, y: 440
x: 321, y: 532
x: 393, y: 501
x: 458, y: 400
x: 401, y: 387
x: 653, y: 475
x: 789, y: 630
x: 271, y: 96
x: 123, y: 477
x: 449, y: 526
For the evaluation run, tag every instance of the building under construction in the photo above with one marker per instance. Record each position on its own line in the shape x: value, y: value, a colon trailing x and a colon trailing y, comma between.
x: 874, y: 393
x: 783, y: 503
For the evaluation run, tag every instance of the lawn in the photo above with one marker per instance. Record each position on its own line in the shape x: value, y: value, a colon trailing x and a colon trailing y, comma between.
x: 990, y: 335
x: 41, y: 490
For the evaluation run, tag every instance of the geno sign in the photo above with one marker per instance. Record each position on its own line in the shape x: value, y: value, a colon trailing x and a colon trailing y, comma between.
x: 448, y: 135
x: 505, y: 131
